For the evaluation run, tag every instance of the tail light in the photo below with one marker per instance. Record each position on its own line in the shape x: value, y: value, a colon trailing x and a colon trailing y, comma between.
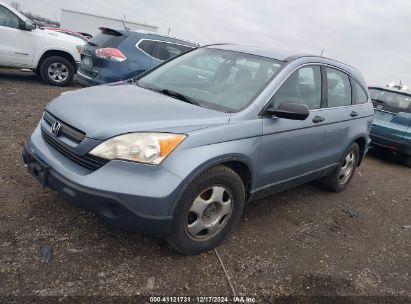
x: 110, y: 54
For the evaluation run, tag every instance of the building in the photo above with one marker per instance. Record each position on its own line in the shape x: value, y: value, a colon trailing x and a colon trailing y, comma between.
x: 89, y: 23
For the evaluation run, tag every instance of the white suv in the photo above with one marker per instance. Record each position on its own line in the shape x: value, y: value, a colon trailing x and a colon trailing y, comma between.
x: 52, y: 55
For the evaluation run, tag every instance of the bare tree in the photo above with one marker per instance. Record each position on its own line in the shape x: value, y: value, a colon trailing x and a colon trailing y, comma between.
x: 16, y: 5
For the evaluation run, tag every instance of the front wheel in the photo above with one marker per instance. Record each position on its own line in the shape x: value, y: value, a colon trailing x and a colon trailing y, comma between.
x: 207, y: 211
x: 345, y: 170
x: 57, y: 71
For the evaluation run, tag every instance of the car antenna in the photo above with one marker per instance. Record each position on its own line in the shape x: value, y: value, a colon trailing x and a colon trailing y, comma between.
x: 122, y: 21
x: 322, y: 52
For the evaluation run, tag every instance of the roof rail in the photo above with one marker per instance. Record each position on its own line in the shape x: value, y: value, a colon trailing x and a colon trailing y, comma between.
x: 163, y: 35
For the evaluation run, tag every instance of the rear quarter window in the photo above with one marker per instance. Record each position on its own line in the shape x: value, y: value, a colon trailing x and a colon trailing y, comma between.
x: 359, y: 95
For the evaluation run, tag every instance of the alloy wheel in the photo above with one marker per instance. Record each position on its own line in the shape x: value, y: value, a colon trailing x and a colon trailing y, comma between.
x: 347, y: 168
x: 58, y: 72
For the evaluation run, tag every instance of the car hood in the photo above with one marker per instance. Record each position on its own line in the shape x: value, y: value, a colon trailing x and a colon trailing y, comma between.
x: 105, y: 111
x: 59, y: 36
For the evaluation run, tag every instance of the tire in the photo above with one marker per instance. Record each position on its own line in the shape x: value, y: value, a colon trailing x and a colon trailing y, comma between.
x: 63, y: 71
x: 203, y: 204
x: 337, y: 181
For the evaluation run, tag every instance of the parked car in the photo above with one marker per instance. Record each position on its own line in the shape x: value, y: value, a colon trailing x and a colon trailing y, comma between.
x: 114, y: 55
x: 392, y: 121
x: 181, y: 148
x: 83, y: 36
x: 52, y: 55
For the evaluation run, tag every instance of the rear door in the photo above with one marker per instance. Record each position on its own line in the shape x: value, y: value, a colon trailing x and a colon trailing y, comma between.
x: 392, y: 113
x: 345, y: 116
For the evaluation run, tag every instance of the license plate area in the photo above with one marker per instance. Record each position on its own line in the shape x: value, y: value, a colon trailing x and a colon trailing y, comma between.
x: 86, y: 63
x: 38, y: 170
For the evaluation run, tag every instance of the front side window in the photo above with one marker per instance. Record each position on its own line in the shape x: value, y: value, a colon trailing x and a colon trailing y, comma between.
x: 302, y: 87
x: 219, y: 79
x: 339, y: 88
x: 8, y: 19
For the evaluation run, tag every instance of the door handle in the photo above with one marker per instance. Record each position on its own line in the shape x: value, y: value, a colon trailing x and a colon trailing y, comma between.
x: 353, y: 114
x: 318, y: 119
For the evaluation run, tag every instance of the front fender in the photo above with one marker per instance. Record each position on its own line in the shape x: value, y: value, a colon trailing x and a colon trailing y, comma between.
x: 73, y: 53
x: 233, y: 142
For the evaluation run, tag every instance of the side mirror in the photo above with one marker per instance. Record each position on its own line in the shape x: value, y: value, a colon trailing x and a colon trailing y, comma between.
x: 29, y: 25
x: 290, y: 110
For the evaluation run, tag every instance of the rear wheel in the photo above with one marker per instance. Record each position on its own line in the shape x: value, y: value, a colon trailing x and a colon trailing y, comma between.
x: 208, y: 210
x: 345, y: 170
x: 57, y: 71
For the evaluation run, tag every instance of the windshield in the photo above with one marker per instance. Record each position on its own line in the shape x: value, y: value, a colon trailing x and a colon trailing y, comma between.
x: 222, y: 80
x: 391, y: 99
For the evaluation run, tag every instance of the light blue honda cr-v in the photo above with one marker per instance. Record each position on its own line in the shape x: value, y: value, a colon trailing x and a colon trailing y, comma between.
x: 181, y: 148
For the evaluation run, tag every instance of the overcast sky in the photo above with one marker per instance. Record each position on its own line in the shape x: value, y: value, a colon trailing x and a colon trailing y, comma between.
x: 371, y: 35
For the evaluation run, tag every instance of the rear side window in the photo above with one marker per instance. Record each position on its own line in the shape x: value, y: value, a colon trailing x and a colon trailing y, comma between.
x: 148, y: 46
x: 162, y: 50
x: 107, y: 38
x: 339, y: 88
x: 169, y: 50
x: 303, y: 87
x: 359, y: 95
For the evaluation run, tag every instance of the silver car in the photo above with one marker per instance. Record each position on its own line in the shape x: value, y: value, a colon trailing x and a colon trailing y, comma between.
x: 180, y: 149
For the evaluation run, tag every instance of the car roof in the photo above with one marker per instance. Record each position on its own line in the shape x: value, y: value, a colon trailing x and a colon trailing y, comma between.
x: 155, y: 36
x: 286, y: 55
x: 274, y: 53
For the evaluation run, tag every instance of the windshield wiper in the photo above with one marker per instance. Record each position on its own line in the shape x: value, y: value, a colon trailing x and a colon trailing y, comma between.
x: 168, y: 92
x: 179, y: 96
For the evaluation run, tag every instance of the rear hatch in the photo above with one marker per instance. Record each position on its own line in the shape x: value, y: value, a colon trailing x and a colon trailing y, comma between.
x: 90, y: 62
x: 392, y: 112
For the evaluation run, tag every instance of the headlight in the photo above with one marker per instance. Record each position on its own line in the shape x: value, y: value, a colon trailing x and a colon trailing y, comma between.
x: 149, y: 148
x: 79, y: 48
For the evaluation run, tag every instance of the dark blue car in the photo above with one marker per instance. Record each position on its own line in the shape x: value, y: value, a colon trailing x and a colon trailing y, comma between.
x: 115, y: 55
x: 392, y: 121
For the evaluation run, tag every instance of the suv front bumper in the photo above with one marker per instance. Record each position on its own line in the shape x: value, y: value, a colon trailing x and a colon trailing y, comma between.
x: 131, y: 196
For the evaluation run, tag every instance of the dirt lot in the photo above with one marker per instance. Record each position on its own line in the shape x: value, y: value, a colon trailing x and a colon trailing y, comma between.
x: 305, y: 242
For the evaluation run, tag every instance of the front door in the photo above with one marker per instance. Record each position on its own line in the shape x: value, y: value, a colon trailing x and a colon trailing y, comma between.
x: 16, y: 44
x: 291, y: 149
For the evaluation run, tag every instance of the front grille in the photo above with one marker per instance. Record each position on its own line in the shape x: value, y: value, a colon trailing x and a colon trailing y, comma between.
x: 65, y: 129
x: 87, y: 161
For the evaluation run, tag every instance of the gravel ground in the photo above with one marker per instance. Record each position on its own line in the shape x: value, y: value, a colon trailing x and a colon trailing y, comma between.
x: 305, y: 242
